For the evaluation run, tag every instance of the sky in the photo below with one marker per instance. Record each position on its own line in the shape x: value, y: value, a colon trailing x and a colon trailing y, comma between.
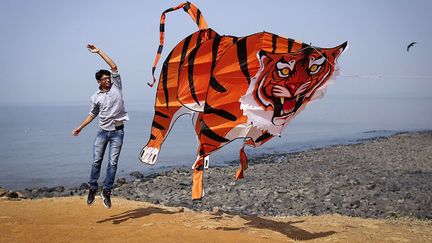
x: 44, y: 59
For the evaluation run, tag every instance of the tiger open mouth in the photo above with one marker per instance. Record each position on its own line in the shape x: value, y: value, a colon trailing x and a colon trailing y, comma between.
x: 283, y: 108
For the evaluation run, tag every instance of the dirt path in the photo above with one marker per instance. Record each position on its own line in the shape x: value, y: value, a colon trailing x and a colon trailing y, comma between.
x: 70, y: 219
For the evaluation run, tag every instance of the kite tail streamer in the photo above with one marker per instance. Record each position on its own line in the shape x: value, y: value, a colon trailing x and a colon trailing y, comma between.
x: 197, y: 185
x: 243, y: 164
x: 196, y: 16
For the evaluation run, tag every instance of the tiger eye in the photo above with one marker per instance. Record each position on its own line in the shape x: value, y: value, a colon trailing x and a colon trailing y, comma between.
x: 285, y: 71
x: 314, y: 68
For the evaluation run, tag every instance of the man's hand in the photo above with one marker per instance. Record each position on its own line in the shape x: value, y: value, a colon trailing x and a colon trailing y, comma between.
x: 76, y: 131
x: 92, y: 48
x: 83, y: 124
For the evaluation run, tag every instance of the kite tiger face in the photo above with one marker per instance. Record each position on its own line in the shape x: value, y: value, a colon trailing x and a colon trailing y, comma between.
x: 287, y: 81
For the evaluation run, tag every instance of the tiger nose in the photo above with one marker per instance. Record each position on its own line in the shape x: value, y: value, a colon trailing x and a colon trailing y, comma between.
x: 292, y: 88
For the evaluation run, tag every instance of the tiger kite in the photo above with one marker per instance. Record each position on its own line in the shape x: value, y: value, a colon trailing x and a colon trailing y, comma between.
x: 234, y: 87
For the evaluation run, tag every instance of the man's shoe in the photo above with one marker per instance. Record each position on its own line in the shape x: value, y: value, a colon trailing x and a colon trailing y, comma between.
x: 91, y: 196
x: 106, y: 196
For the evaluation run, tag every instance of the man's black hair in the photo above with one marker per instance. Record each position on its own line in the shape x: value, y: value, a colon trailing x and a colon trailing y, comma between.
x: 101, y: 73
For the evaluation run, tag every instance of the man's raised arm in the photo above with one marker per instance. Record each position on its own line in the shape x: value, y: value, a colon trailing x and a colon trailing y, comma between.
x: 92, y: 48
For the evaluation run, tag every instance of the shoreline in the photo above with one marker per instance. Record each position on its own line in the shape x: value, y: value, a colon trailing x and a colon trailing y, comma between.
x: 384, y: 177
x: 49, y: 179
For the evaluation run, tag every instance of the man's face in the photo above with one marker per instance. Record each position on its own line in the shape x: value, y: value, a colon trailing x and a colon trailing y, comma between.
x: 105, y: 82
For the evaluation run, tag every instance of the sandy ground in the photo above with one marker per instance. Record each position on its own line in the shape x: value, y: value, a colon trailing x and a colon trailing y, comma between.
x: 71, y: 220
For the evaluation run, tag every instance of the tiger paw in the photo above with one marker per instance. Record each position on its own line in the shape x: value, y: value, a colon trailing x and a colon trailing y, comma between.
x: 149, y: 155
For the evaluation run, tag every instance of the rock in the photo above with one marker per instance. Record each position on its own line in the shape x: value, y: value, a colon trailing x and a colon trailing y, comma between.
x: 120, y: 181
x: 394, y: 187
x: 20, y: 195
x: 56, y: 189
x: 355, y: 204
x: 137, y: 174
x: 185, y: 183
x: 84, y: 186
x: 12, y: 195
x: 2, y: 191
x: 370, y: 186
x: 215, y: 210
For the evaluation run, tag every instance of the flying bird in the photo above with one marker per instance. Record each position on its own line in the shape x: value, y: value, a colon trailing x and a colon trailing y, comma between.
x: 411, y: 45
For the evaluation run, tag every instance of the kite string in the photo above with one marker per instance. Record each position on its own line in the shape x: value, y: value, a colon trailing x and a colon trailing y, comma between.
x: 360, y: 76
x: 376, y: 76
x: 342, y: 74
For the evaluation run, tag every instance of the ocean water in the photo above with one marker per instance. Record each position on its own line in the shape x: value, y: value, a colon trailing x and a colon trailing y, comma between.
x: 37, y: 148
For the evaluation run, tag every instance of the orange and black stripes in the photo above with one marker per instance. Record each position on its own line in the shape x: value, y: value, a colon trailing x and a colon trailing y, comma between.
x: 195, y: 14
x: 209, y: 133
x: 290, y: 44
x: 160, y: 118
x: 196, y: 71
x: 215, y: 49
x: 164, y: 78
x: 216, y: 42
x: 214, y: 84
x: 167, y: 102
x: 242, y: 57
x: 184, y: 50
x: 167, y: 105
x: 274, y: 43
x: 158, y: 126
x: 190, y: 74
x: 219, y: 112
x: 228, y: 82
x: 158, y: 113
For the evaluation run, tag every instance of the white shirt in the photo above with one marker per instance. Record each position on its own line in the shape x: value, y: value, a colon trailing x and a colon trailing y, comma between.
x: 109, y: 105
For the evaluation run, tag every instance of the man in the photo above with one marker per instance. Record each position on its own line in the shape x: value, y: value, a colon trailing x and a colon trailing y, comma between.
x: 108, y: 103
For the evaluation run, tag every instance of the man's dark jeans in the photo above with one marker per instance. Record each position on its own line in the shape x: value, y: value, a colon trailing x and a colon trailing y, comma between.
x: 115, y: 141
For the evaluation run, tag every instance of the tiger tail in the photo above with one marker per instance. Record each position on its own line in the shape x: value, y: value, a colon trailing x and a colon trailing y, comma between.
x: 167, y: 107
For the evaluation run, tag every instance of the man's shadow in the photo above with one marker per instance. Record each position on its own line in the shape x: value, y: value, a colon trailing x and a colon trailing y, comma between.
x: 134, y: 214
x: 286, y: 228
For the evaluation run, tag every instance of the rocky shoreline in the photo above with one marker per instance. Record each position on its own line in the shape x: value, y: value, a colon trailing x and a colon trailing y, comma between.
x: 387, y: 177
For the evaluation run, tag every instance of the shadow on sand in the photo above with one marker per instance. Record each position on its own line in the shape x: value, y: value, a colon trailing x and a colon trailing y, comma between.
x: 134, y: 214
x: 286, y: 228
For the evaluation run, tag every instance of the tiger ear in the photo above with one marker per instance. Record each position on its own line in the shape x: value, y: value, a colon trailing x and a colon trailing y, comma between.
x: 263, y: 58
x: 336, y: 51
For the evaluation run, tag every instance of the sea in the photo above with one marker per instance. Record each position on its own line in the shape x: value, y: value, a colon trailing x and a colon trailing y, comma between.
x: 38, y: 150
